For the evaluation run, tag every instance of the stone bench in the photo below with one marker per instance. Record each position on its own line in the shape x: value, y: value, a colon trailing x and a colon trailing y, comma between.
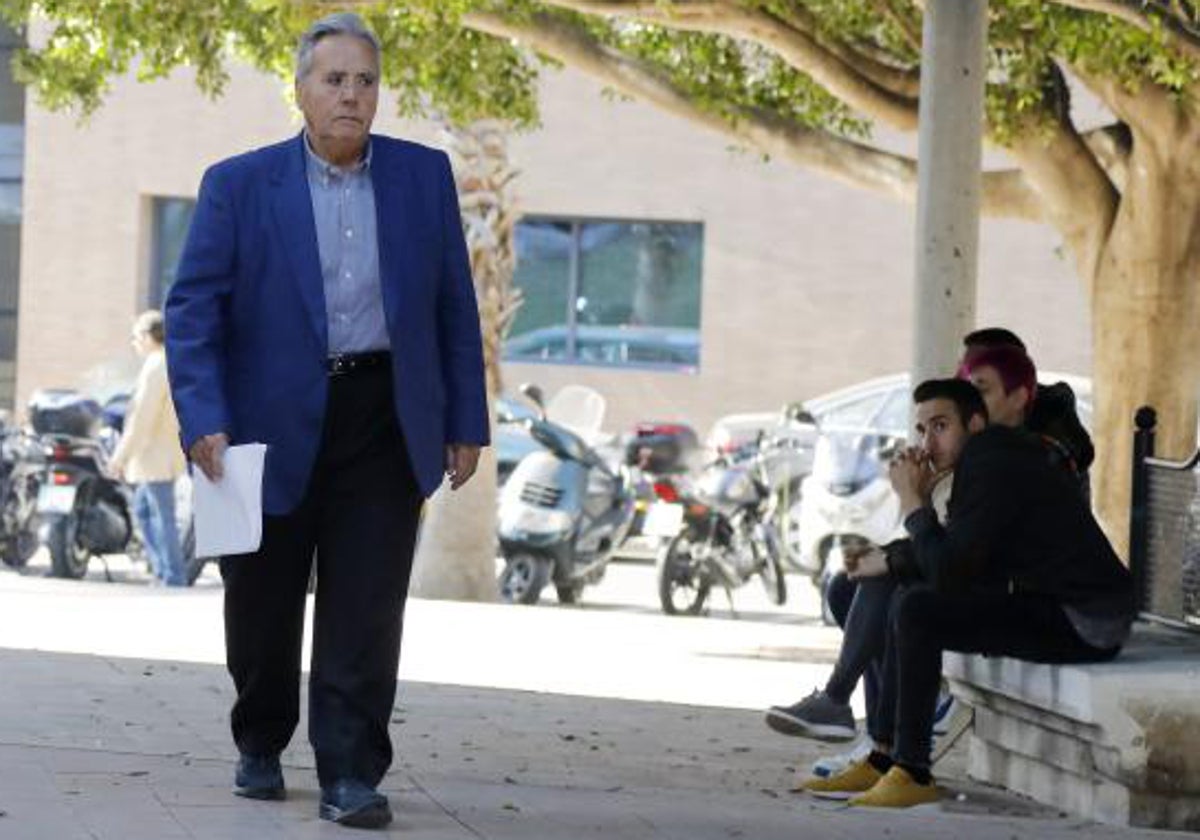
x: 1117, y: 742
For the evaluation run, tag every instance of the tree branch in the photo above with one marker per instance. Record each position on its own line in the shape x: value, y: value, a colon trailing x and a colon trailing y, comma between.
x: 908, y: 26
x: 1111, y: 145
x: 1079, y: 198
x: 836, y: 67
x: 1151, y: 113
x: 1004, y: 193
x: 1146, y: 16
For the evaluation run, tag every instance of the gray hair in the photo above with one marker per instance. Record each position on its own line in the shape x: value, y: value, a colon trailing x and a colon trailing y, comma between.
x: 339, y: 23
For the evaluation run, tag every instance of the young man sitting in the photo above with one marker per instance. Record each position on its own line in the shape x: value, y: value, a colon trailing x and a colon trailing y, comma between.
x: 947, y: 413
x: 1021, y: 569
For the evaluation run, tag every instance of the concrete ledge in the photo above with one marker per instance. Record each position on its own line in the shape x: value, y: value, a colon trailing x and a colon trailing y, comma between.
x: 1117, y: 742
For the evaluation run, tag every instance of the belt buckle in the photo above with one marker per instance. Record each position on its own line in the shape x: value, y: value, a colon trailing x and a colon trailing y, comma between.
x: 338, y: 365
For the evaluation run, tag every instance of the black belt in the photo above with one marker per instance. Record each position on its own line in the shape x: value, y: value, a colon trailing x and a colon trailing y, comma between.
x: 344, y: 363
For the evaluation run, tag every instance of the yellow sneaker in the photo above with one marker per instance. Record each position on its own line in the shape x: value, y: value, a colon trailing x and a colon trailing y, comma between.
x: 897, y: 789
x: 859, y: 777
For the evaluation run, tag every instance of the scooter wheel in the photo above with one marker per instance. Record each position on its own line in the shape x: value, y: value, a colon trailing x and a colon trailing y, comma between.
x: 523, y: 579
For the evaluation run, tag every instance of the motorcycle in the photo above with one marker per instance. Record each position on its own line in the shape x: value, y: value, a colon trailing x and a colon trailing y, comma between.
x: 721, y: 532
x: 22, y: 464
x: 563, y: 510
x: 846, y: 502
x: 82, y: 511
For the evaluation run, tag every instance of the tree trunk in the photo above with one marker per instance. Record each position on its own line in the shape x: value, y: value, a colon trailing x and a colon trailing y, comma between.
x: 456, y: 555
x: 1146, y: 324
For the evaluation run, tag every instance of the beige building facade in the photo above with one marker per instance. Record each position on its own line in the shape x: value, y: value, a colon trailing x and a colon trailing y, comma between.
x: 805, y: 283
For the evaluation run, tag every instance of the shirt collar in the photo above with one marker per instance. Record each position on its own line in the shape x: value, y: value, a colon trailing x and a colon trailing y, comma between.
x: 326, y: 171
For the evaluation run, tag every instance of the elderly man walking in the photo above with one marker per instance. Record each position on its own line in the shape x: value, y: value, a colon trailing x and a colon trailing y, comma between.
x: 324, y: 307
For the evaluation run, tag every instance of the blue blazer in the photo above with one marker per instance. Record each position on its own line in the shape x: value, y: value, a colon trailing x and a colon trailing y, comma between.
x: 246, y: 325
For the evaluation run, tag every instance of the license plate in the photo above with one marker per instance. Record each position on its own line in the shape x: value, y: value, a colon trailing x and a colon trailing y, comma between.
x: 663, y: 519
x: 55, y: 499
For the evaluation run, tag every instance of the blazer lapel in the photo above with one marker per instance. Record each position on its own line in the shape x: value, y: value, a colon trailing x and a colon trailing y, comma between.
x: 298, y: 232
x: 392, y: 183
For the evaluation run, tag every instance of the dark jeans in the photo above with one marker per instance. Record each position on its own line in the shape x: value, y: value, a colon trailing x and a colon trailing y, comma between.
x: 925, y: 622
x: 359, y: 517
x: 861, y: 608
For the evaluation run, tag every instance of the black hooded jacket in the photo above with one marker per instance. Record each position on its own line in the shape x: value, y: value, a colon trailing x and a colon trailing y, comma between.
x: 1017, y: 523
x: 1054, y: 416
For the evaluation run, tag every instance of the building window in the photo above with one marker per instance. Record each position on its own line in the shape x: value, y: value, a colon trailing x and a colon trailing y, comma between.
x: 608, y: 292
x: 172, y: 217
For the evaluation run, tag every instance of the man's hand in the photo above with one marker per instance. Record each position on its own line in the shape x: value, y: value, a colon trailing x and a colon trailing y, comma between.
x: 208, y: 453
x: 910, y: 476
x: 870, y: 563
x: 461, y: 460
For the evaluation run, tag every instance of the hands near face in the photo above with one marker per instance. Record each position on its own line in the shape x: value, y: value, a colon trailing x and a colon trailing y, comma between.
x: 912, y: 476
x: 870, y: 561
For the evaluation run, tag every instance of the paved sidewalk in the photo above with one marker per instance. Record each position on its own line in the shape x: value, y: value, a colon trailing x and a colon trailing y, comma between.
x: 106, y: 748
x: 607, y: 720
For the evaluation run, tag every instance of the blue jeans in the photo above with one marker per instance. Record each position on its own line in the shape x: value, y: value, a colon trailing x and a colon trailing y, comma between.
x: 154, y: 510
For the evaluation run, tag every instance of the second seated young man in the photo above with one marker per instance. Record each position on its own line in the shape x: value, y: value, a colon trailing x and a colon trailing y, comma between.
x: 324, y: 306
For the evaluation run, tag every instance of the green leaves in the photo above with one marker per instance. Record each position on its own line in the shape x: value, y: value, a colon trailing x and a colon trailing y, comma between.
x: 435, y: 64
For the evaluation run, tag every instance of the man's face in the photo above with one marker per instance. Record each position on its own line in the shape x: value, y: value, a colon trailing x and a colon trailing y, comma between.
x: 942, y: 433
x: 340, y: 93
x: 1003, y: 409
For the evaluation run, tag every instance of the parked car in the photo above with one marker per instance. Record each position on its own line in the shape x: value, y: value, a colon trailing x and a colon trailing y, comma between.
x: 673, y: 347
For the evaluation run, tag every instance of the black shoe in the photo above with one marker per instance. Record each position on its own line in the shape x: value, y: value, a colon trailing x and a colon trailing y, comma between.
x: 258, y: 777
x: 816, y: 716
x: 354, y: 804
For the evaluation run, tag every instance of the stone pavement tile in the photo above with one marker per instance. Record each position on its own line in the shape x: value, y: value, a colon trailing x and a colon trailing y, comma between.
x: 296, y: 818
x: 500, y: 812
x: 21, y: 775
x: 38, y: 818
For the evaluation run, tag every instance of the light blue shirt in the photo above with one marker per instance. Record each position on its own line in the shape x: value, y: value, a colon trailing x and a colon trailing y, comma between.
x: 343, y: 201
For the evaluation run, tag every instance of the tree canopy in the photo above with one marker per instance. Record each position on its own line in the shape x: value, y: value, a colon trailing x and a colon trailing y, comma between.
x: 804, y: 80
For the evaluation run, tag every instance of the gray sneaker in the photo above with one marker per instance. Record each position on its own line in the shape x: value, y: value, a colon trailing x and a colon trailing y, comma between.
x: 816, y: 716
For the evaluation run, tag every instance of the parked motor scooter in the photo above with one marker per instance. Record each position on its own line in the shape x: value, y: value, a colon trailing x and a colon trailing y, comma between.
x: 846, y: 502
x: 563, y: 509
x: 659, y: 455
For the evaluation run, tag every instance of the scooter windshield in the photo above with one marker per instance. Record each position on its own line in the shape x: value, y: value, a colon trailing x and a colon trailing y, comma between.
x: 561, y: 441
x: 846, y: 461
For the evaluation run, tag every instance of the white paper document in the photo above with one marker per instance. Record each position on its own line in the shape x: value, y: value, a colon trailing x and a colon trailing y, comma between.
x: 229, y: 512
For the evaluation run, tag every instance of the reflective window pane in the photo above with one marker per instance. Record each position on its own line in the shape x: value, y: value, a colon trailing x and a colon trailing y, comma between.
x: 608, y: 292
x: 172, y: 217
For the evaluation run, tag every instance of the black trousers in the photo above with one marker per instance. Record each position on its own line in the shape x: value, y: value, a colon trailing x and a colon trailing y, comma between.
x: 359, y: 520
x: 861, y: 608
x: 923, y: 623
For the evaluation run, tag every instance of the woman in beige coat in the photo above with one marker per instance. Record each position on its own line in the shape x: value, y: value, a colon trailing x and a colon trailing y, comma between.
x: 149, y: 454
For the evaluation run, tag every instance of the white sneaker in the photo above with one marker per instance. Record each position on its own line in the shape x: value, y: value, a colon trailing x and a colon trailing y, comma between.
x: 826, y: 766
x: 944, y: 712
